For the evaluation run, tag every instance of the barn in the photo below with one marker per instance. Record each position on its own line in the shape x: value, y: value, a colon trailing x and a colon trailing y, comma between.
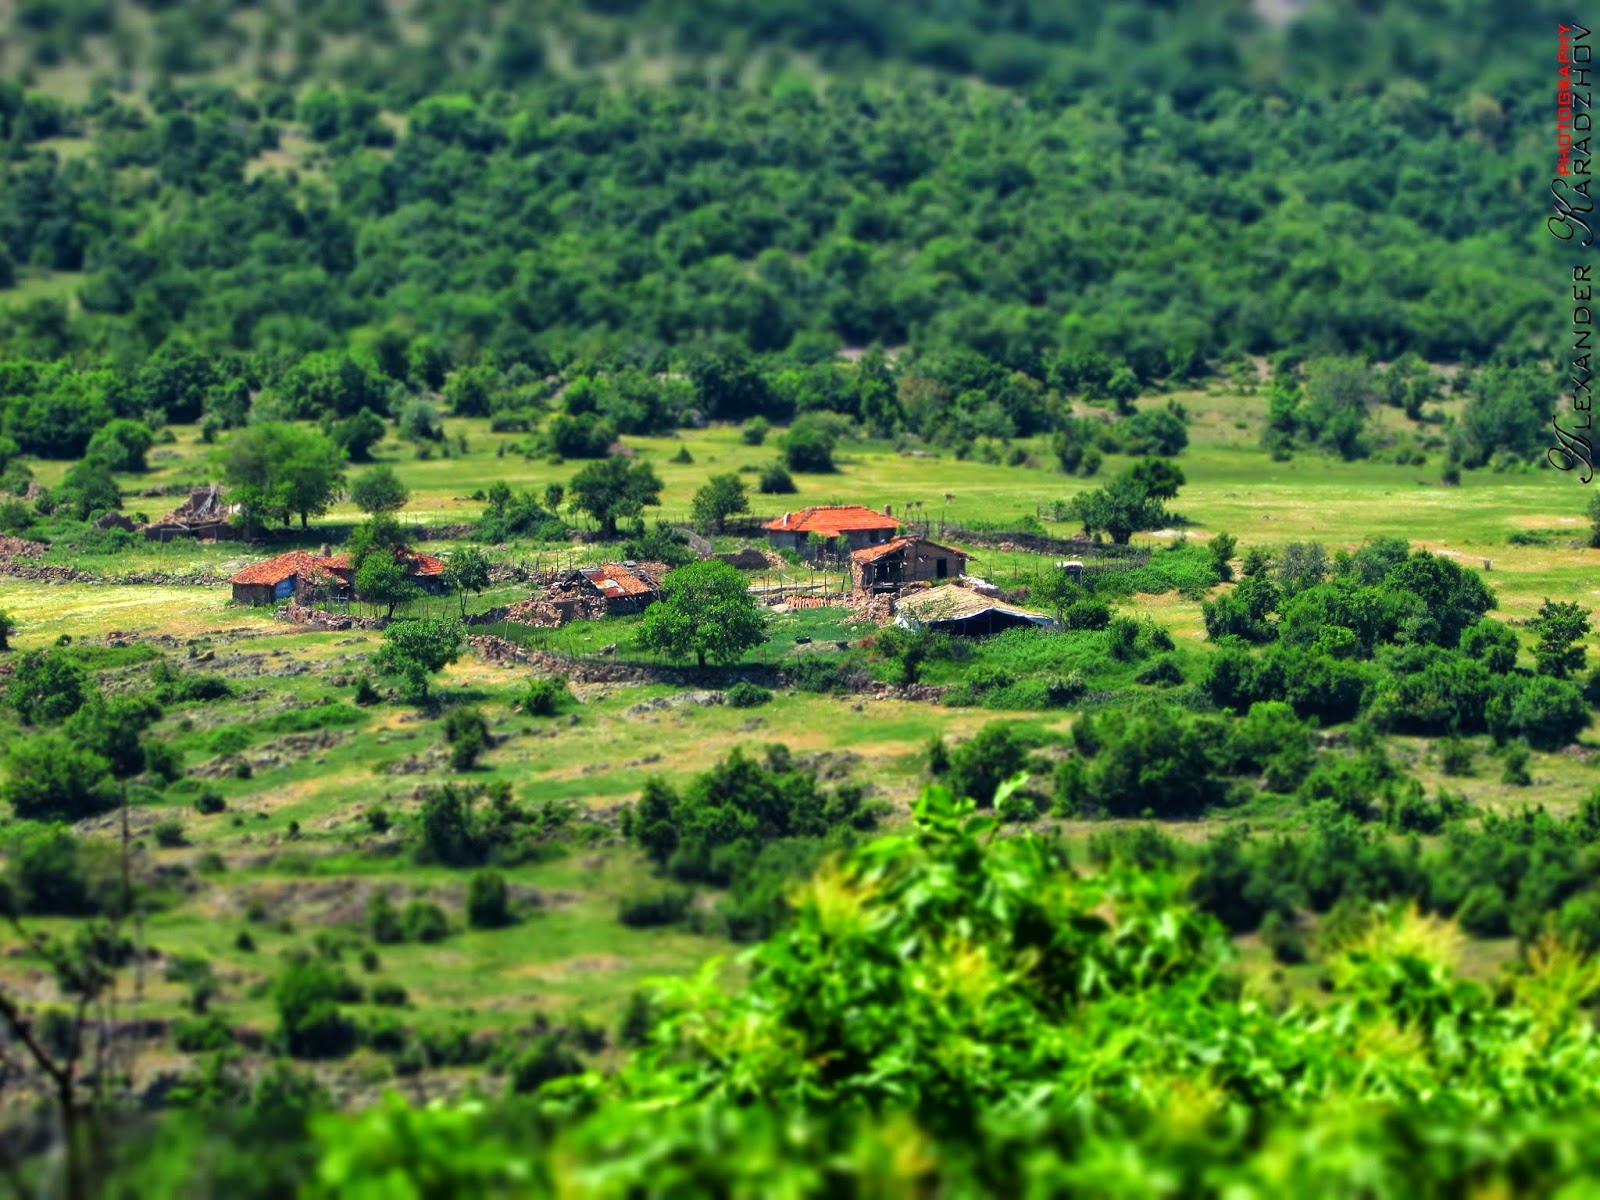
x: 905, y: 560
x: 291, y: 574
x: 965, y: 613
x: 304, y: 576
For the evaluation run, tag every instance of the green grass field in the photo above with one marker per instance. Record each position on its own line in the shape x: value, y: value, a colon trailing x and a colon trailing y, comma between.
x: 294, y: 853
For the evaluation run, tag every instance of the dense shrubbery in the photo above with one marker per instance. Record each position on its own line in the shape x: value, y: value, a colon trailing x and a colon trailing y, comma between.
x: 714, y: 828
x: 1095, y: 998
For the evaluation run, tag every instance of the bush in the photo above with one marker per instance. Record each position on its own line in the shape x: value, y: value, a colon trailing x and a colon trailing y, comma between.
x: 1156, y: 762
x: 1515, y: 771
x: 816, y: 674
x: 775, y: 481
x: 389, y: 995
x: 547, y: 1060
x: 383, y: 921
x: 488, y: 901
x: 546, y: 696
x: 50, y: 872
x: 310, y: 1024
x: 745, y: 694
x: 1455, y: 756
x: 755, y: 431
x: 1484, y: 913
x: 1280, y: 933
x: 169, y: 834
x: 981, y: 764
x: 648, y: 910
x: 468, y: 735
x: 49, y: 778
x: 201, y: 1035
x: 209, y: 804
x: 424, y: 921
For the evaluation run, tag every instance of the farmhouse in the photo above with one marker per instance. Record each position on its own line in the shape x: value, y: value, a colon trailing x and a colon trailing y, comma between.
x: 856, y: 527
x: 964, y: 612
x: 424, y: 570
x: 305, y: 575
x: 296, y: 573
x: 625, y: 587
x: 905, y: 560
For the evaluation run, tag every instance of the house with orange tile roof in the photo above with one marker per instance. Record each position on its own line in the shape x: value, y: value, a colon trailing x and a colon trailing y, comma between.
x: 847, y: 526
x: 301, y: 574
x: 905, y: 560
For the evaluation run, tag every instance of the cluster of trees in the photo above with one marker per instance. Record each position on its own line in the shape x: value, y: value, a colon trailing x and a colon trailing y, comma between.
x: 676, y: 251
x: 1095, y: 998
x: 1398, y: 634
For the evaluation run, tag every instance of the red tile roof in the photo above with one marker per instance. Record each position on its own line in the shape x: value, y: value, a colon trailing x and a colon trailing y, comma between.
x: 830, y: 521
x: 615, y: 581
x: 299, y: 562
x: 873, y: 553
x: 284, y: 566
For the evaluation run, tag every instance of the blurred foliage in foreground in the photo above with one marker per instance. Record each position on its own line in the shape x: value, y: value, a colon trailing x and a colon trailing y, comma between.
x: 953, y: 1011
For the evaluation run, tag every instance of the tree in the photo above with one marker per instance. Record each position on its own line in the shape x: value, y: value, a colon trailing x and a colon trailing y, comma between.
x: 415, y: 649
x: 488, y: 901
x: 89, y: 489
x: 357, y: 435
x: 720, y: 498
x: 1560, y: 627
x: 706, y: 611
x: 8, y: 626
x: 808, y: 447
x: 1594, y: 518
x: 46, y: 688
x: 379, y: 490
x: 382, y: 578
x: 467, y: 571
x: 277, y: 471
x: 612, y: 489
x: 121, y: 445
x: 49, y: 777
x: 1130, y: 503
x: 310, y: 1023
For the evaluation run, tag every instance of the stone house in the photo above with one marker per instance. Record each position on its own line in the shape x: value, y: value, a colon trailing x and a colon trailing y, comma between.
x: 308, y: 577
x: 846, y: 527
x: 905, y: 560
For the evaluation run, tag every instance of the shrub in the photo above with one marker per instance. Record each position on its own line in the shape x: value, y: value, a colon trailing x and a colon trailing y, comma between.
x: 546, y: 696
x: 383, y: 920
x: 981, y: 764
x: 775, y: 481
x: 201, y: 1035
x: 1484, y: 913
x: 745, y: 694
x: 815, y: 674
x: 1455, y: 756
x: 468, y: 735
x: 169, y: 834
x: 1155, y: 762
x: 49, y: 778
x: 755, y: 431
x: 647, y: 910
x: 1515, y: 771
x: 310, y: 1024
x: 424, y: 921
x: 209, y: 803
x: 390, y: 995
x: 1280, y: 933
x: 547, y: 1060
x: 488, y: 901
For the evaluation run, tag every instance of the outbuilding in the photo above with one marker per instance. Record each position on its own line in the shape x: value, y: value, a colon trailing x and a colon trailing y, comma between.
x: 964, y: 612
x: 905, y: 560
